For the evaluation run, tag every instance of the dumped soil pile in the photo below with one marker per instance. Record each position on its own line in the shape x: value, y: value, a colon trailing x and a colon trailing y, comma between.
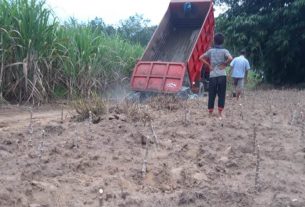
x: 148, y: 155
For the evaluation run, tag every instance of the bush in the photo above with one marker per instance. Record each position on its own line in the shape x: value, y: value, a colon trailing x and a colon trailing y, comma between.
x: 273, y: 34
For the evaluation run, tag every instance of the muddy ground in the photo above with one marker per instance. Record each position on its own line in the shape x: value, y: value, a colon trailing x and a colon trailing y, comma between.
x: 254, y: 156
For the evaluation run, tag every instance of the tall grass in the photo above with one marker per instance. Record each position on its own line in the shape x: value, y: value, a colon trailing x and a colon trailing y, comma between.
x: 39, y: 57
x: 92, y: 60
x: 27, y: 36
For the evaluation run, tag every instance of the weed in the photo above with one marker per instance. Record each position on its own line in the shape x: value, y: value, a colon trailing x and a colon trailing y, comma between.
x: 97, y: 106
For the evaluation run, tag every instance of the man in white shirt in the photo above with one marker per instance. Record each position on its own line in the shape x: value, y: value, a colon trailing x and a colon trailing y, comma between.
x: 239, y: 72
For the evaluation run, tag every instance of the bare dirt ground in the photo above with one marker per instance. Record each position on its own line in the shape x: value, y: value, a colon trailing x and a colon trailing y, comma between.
x: 255, y: 156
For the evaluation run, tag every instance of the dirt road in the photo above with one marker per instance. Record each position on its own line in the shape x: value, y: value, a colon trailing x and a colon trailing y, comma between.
x: 14, y: 117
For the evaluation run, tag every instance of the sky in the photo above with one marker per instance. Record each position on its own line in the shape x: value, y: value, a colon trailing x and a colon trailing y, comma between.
x: 111, y: 11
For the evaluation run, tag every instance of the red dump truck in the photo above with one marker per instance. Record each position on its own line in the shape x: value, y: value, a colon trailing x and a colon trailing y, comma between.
x: 171, y: 59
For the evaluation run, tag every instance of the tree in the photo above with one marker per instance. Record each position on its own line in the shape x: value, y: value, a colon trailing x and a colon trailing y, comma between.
x: 136, y: 29
x: 99, y: 24
x: 273, y: 31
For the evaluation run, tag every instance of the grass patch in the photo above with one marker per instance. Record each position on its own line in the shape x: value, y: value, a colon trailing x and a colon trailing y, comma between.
x: 96, y: 105
x: 253, y: 80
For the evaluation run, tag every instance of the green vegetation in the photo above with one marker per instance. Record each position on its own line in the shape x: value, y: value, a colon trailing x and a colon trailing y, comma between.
x: 135, y: 29
x: 41, y: 59
x: 273, y: 34
x: 253, y: 80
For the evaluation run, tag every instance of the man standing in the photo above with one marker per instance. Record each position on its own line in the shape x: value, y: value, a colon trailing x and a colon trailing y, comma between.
x: 187, y: 8
x: 219, y: 58
x: 239, y: 72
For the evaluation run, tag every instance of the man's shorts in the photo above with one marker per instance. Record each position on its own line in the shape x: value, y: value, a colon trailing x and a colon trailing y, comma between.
x: 238, y: 83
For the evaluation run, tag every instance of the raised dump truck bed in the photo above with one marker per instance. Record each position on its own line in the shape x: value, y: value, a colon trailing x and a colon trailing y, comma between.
x: 171, y: 58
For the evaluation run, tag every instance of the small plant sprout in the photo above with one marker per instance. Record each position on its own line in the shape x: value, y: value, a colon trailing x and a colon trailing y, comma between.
x: 62, y: 115
x: 90, y: 124
x: 303, y: 128
x: 186, y: 118
x: 41, y: 144
x: 254, y: 138
x: 257, y: 170
x: 100, y: 197
x: 76, y: 138
x: 30, y: 128
x: 144, y: 166
x: 90, y: 118
x: 293, y: 117
x: 156, y: 141
x: 303, y: 131
x: 258, y: 159
x: 241, y: 111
